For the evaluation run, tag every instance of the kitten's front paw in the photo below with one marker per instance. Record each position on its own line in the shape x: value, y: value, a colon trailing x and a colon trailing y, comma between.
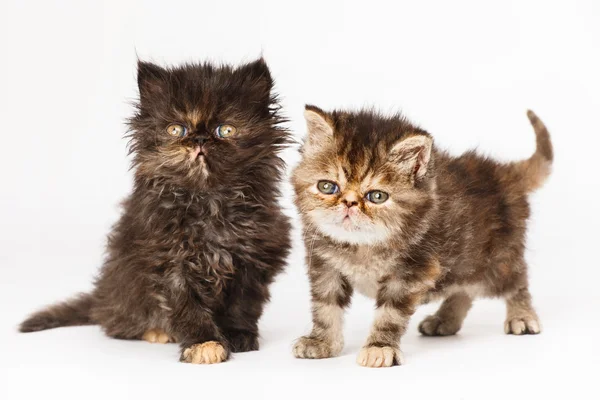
x: 377, y: 357
x: 309, y: 347
x: 522, y: 326
x: 204, y: 353
x: 435, y: 326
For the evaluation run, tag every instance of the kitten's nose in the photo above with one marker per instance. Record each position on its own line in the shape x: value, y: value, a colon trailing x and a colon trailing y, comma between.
x: 350, y: 199
x: 200, y: 140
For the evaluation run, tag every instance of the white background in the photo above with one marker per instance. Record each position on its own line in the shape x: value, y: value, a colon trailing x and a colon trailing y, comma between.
x: 464, y: 70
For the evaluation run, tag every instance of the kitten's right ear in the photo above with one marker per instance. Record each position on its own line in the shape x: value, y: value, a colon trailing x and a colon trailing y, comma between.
x: 320, y: 129
x: 152, y: 79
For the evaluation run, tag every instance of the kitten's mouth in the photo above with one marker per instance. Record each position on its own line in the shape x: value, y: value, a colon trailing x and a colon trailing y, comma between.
x: 199, y: 152
x: 347, y: 223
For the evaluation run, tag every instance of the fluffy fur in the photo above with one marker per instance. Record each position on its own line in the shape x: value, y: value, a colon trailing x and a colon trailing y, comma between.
x: 201, y: 237
x: 451, y: 229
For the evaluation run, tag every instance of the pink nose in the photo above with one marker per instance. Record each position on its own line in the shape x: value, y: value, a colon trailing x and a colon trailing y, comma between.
x: 350, y: 199
x: 350, y: 203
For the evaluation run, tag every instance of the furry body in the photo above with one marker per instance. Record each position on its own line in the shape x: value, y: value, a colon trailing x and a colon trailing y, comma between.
x: 201, y: 236
x: 453, y: 228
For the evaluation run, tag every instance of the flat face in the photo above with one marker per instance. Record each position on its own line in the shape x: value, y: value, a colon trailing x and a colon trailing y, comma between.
x: 201, y: 126
x: 352, y: 185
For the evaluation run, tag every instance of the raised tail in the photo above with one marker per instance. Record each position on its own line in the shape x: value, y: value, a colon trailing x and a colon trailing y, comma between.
x: 534, y: 171
x: 75, y: 311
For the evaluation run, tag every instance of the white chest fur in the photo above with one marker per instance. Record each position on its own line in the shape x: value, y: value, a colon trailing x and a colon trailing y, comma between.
x: 363, y: 269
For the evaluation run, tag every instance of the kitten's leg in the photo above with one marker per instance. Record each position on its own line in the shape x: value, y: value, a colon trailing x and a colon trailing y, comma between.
x: 449, y: 318
x: 397, y: 300
x: 521, y: 317
x: 240, y: 322
x: 331, y: 293
x: 201, y: 339
x: 382, y: 348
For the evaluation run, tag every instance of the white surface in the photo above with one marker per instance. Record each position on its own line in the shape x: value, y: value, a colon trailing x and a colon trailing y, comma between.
x: 464, y: 70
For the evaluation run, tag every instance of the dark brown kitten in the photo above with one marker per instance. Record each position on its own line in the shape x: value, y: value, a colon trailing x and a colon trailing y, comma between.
x: 387, y: 214
x: 201, y: 236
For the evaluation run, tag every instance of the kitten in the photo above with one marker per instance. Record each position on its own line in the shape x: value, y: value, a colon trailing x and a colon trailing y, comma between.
x: 388, y: 214
x: 201, y: 236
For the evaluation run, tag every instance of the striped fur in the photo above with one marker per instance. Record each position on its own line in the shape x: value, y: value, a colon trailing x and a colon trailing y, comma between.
x: 451, y: 228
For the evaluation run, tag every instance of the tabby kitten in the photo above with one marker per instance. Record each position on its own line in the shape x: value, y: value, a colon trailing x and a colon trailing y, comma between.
x: 388, y: 214
x: 202, y: 236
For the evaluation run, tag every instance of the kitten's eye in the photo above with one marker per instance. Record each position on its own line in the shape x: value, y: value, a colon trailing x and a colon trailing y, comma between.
x: 225, y: 130
x: 377, y: 196
x: 177, y: 130
x: 327, y: 187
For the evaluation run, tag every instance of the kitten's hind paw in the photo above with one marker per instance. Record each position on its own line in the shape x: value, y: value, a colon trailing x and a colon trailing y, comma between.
x: 157, y: 336
x: 377, y: 357
x: 435, y: 326
x: 204, y: 353
x: 309, y: 347
x: 522, y: 326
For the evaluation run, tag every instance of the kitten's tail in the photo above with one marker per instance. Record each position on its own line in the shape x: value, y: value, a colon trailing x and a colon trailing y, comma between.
x: 75, y: 311
x: 535, y: 170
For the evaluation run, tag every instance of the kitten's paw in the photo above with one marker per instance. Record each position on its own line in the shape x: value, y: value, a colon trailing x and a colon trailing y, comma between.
x: 377, y: 357
x: 435, y: 326
x: 308, y: 347
x: 157, y: 336
x: 240, y: 342
x: 529, y: 325
x: 204, y: 353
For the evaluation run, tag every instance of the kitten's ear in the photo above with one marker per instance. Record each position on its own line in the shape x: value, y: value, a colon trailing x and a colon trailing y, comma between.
x: 152, y: 80
x: 257, y: 76
x: 320, y: 129
x: 412, y: 154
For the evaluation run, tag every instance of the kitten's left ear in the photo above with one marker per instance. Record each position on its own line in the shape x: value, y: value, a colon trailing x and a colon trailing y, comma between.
x: 257, y: 76
x: 412, y: 154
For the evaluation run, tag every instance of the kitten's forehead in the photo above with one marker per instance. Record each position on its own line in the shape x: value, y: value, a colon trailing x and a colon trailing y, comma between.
x: 365, y: 176
x: 358, y: 160
x: 198, y: 92
x: 355, y: 162
x: 361, y: 148
x: 193, y: 115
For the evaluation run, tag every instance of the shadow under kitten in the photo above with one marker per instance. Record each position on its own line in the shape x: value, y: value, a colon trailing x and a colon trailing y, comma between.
x: 201, y: 236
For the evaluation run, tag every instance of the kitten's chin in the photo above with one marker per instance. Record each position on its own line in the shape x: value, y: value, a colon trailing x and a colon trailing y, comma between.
x: 198, y: 163
x: 344, y: 233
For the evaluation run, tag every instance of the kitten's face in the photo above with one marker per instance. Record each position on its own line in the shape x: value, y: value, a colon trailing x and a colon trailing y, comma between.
x: 363, y: 178
x: 202, y: 127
